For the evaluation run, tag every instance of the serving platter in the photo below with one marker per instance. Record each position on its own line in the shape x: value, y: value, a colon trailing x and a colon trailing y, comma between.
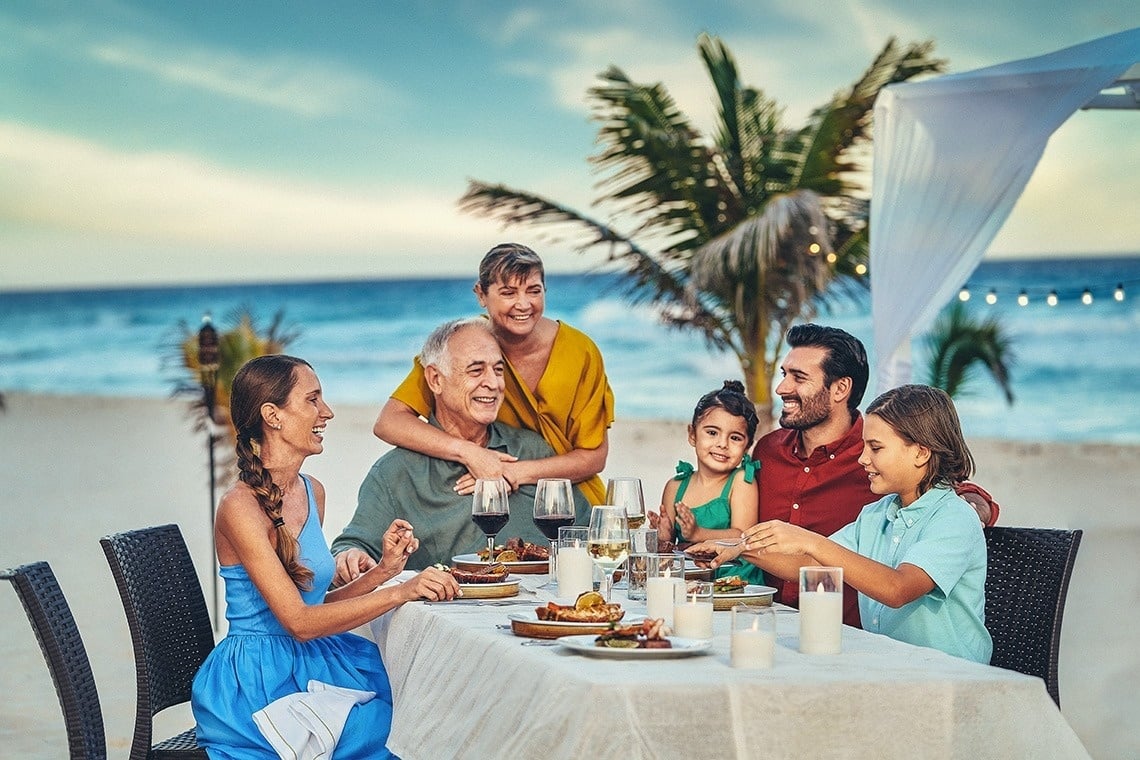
x: 500, y: 590
x: 527, y: 624
x: 753, y: 596
x: 586, y: 644
x: 474, y: 563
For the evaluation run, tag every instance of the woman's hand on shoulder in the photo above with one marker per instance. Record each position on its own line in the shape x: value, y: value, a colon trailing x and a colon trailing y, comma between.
x: 431, y: 584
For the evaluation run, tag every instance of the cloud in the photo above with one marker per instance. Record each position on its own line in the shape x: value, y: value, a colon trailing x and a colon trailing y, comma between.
x: 78, y: 187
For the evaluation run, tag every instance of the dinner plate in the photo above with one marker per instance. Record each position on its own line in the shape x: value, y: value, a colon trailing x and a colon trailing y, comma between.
x: 473, y: 562
x: 527, y: 624
x: 753, y: 596
x: 500, y: 590
x: 680, y: 648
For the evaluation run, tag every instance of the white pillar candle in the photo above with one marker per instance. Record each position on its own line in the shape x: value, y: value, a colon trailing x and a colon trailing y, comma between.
x: 575, y: 572
x: 821, y: 621
x: 752, y: 648
x: 659, y: 594
x: 693, y: 620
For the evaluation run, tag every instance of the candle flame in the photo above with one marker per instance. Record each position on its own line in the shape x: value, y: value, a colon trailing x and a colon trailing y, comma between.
x: 819, y: 588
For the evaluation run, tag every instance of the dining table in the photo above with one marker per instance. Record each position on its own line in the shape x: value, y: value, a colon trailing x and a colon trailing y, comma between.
x: 465, y: 685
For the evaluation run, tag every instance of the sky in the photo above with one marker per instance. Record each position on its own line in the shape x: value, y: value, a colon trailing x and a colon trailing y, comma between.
x: 175, y: 142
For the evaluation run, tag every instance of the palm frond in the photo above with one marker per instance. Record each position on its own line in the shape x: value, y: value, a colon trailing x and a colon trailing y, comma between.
x: 958, y: 344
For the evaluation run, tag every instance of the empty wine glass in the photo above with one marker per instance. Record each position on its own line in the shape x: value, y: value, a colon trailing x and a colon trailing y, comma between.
x: 490, y: 510
x: 626, y: 493
x: 608, y: 542
x: 553, y: 509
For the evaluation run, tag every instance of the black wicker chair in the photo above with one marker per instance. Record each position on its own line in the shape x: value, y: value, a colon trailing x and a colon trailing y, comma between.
x: 66, y: 657
x: 1027, y: 580
x: 170, y: 629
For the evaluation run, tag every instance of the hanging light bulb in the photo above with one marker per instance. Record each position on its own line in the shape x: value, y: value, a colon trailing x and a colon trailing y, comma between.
x: 1118, y: 294
x: 991, y: 297
x: 1051, y: 299
x: 1086, y: 297
x: 1023, y: 298
x: 964, y: 293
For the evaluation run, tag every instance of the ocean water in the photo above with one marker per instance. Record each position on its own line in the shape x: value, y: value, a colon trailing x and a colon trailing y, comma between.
x: 1075, y: 376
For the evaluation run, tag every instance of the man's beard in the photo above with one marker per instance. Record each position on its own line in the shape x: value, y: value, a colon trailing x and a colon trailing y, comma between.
x: 813, y: 411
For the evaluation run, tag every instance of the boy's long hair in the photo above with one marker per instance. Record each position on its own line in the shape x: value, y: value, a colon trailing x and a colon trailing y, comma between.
x: 266, y: 380
x: 926, y: 416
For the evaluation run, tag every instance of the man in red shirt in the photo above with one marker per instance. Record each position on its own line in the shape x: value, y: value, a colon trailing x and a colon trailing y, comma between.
x: 810, y: 473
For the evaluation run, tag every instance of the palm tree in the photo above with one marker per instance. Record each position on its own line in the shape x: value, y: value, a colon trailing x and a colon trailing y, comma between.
x: 238, y: 342
x: 958, y: 344
x: 739, y: 233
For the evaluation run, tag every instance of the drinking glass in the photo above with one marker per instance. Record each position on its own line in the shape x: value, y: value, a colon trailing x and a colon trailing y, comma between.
x: 553, y: 509
x: 490, y: 510
x: 626, y: 493
x: 608, y: 542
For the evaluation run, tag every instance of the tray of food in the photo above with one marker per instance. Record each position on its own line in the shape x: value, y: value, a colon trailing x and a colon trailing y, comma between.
x: 590, y: 613
x: 648, y: 639
x: 732, y: 590
x: 519, y: 556
x: 488, y: 582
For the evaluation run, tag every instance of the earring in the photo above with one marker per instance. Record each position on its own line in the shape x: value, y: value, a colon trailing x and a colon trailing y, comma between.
x: 277, y: 426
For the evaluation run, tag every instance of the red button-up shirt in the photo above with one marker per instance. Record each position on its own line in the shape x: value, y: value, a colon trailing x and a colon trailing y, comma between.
x: 821, y: 491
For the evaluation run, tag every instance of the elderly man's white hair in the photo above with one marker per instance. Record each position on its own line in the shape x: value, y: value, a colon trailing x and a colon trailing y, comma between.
x: 435, y: 352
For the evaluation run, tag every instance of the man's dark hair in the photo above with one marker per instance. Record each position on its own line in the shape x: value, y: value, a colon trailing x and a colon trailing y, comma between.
x: 846, y: 356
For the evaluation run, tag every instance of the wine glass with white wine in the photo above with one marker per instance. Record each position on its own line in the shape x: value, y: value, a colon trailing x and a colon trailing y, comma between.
x: 626, y: 493
x: 607, y: 542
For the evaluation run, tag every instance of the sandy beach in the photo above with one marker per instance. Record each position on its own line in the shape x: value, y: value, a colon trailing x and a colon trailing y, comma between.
x: 77, y: 468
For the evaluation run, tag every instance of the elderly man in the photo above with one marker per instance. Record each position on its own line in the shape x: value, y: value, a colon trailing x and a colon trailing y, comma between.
x: 463, y: 367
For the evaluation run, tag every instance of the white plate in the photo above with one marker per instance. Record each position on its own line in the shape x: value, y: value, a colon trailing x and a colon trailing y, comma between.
x: 681, y: 648
x: 748, y: 592
x: 532, y: 618
x: 529, y: 566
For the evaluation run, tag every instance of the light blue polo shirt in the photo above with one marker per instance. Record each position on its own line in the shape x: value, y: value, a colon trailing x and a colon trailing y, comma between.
x: 941, y: 534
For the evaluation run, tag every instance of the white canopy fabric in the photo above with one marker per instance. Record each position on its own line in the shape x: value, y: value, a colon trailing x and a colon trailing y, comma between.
x: 951, y: 157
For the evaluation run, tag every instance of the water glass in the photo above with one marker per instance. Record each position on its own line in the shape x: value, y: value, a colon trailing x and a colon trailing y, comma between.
x: 753, y: 640
x: 638, y: 574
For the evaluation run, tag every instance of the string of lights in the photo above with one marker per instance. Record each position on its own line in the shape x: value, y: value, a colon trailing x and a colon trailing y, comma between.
x: 1051, y: 296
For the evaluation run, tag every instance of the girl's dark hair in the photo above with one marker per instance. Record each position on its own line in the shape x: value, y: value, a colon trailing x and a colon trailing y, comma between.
x: 926, y: 416
x: 730, y: 398
x: 266, y: 380
x: 508, y: 262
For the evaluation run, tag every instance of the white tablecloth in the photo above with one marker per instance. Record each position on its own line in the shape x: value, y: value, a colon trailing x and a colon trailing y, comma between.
x: 464, y: 687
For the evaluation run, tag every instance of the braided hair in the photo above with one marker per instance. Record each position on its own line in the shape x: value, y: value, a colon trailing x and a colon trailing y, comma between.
x: 266, y: 380
x: 731, y: 399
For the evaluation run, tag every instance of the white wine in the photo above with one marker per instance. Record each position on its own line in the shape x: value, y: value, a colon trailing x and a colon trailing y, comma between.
x: 608, y: 552
x: 635, y: 521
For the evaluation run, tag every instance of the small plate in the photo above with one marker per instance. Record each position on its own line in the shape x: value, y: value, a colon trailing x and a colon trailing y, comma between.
x: 474, y: 563
x: 527, y: 624
x: 681, y: 648
x: 500, y: 590
x: 753, y: 596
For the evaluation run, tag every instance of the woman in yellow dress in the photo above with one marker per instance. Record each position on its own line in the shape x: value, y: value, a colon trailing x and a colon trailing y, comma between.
x: 556, y: 385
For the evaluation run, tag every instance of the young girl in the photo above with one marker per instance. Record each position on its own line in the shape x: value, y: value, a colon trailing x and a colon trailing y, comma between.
x: 718, y: 500
x: 917, y: 556
x: 284, y: 629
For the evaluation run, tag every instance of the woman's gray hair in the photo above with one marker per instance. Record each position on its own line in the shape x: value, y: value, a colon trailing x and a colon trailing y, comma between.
x: 435, y: 352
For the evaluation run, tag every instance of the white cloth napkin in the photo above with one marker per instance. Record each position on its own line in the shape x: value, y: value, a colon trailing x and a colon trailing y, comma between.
x: 308, y: 724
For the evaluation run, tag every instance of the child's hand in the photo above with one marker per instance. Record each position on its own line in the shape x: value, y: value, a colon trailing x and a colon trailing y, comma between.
x: 664, y: 524
x: 687, y: 522
x: 778, y: 537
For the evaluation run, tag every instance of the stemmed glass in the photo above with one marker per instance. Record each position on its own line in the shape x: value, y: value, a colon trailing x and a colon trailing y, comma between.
x: 626, y: 493
x: 608, y: 542
x: 553, y: 509
x: 490, y: 510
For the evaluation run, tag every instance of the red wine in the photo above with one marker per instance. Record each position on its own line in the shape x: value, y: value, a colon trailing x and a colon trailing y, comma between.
x: 491, y: 522
x: 549, y: 524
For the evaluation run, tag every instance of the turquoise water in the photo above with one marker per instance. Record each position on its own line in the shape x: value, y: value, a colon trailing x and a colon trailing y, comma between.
x: 1075, y: 376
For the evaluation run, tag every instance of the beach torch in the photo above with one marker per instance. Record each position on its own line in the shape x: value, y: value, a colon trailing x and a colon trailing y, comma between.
x: 208, y: 362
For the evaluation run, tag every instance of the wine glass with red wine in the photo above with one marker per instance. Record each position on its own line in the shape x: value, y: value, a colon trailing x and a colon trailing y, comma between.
x: 553, y: 509
x: 490, y: 510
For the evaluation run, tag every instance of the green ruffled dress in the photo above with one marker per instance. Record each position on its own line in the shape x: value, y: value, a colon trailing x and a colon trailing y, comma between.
x: 716, y: 514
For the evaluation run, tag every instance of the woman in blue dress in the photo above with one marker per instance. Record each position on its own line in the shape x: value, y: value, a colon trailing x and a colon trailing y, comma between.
x: 285, y: 627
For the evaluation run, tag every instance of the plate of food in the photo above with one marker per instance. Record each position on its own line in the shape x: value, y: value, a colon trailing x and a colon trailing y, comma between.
x: 732, y: 590
x: 519, y: 556
x: 590, y: 613
x: 645, y: 640
x: 488, y: 582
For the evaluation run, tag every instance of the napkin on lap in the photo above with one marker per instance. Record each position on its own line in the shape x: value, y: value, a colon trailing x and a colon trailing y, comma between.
x: 308, y: 724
